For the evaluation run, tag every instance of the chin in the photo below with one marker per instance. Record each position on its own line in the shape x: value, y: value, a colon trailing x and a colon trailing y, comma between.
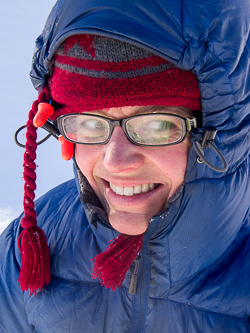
x: 129, y: 225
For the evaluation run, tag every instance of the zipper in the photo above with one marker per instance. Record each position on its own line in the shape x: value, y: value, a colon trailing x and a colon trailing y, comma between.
x: 134, y: 277
x: 140, y: 289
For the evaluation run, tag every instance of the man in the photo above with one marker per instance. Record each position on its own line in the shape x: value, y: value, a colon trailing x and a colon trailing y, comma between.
x: 122, y: 94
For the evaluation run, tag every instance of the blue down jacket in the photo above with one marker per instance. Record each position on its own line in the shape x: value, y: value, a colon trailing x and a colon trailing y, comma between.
x: 194, y: 270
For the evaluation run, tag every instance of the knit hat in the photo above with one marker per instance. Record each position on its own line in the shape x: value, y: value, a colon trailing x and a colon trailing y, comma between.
x: 92, y: 73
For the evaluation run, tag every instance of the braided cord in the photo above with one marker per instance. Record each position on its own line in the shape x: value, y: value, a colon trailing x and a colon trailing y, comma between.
x: 29, y: 174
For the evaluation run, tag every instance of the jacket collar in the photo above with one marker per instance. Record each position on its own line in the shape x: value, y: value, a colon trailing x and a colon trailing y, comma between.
x: 195, y: 231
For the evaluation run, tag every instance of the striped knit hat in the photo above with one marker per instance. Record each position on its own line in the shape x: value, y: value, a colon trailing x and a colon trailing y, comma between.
x: 92, y: 72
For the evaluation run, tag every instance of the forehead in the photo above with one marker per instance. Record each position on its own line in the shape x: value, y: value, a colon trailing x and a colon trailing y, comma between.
x: 128, y: 111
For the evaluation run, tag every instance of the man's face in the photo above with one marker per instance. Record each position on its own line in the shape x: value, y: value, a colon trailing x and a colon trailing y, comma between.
x: 158, y: 171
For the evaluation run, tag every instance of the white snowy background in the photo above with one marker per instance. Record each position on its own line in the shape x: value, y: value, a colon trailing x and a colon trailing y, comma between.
x: 20, y: 24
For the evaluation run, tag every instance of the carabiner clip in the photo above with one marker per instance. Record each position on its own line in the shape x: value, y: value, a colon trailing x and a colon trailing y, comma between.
x: 207, y: 142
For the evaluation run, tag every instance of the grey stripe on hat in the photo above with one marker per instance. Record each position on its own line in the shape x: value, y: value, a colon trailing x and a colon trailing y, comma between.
x: 112, y: 50
x: 60, y: 50
x: 78, y: 52
x: 75, y: 52
x: 107, y: 50
x: 114, y: 75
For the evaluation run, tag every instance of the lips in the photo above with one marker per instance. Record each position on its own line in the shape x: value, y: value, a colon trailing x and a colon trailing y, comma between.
x: 133, y: 190
x: 135, y: 199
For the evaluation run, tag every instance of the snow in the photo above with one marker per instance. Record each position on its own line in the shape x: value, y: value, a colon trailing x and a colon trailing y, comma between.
x: 20, y: 24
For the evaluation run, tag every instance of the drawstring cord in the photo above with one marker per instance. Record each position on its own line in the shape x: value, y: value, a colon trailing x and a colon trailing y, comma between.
x: 207, y: 142
x: 48, y: 126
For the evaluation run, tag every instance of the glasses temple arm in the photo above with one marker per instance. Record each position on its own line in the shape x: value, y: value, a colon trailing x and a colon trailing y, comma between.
x: 51, y: 129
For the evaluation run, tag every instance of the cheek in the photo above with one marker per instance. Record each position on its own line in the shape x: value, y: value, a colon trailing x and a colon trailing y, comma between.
x: 172, y: 161
x: 178, y: 160
x: 86, y: 158
x: 172, y: 156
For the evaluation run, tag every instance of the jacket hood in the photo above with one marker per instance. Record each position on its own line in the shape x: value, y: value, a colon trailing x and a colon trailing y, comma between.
x: 210, y: 38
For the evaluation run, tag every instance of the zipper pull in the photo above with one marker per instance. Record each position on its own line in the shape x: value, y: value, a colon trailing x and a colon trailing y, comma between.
x: 134, y: 277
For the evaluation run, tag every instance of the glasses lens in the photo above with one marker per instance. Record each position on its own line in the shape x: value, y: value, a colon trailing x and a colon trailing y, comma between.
x: 155, y: 129
x: 86, y: 129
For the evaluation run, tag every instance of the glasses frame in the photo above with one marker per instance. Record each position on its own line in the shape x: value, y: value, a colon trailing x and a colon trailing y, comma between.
x: 187, y: 125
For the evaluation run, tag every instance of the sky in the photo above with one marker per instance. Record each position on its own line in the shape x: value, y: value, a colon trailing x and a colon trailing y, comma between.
x: 21, y: 22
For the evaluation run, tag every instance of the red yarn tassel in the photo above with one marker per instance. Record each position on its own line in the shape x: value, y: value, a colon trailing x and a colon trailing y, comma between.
x: 35, y: 268
x: 35, y: 265
x: 111, y: 266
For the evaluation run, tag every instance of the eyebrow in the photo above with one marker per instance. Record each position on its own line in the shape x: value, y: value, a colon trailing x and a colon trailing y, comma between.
x: 178, y: 110
x: 171, y: 109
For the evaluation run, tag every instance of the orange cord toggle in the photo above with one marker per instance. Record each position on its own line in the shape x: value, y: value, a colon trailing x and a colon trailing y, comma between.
x: 66, y: 148
x: 45, y: 110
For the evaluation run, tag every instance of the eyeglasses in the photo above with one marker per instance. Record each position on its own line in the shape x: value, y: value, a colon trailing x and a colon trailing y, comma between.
x: 154, y: 129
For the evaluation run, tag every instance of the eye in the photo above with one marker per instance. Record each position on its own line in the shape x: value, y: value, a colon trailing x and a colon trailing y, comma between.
x: 155, y: 129
x: 90, y: 130
x: 92, y: 124
x: 159, y: 125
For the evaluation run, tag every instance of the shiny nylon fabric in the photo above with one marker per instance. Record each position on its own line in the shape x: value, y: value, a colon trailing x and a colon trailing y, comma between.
x: 212, y: 300
x: 194, y: 267
x: 211, y: 39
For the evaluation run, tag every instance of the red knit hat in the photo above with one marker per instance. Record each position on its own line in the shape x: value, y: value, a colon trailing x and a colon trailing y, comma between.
x: 92, y: 73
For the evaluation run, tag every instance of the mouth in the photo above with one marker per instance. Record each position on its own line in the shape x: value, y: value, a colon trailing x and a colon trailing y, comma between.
x: 133, y: 190
x: 133, y: 195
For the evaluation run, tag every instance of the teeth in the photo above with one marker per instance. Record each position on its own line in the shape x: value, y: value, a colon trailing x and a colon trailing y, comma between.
x: 151, y: 186
x: 137, y: 189
x: 119, y: 190
x: 129, y: 191
x: 144, y: 188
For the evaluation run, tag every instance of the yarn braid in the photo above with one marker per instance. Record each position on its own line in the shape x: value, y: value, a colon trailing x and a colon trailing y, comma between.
x: 35, y: 271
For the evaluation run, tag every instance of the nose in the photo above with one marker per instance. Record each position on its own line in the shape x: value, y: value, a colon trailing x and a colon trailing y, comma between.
x: 120, y: 154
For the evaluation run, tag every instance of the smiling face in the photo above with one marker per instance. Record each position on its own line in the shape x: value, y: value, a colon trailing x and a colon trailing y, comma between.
x: 133, y: 183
